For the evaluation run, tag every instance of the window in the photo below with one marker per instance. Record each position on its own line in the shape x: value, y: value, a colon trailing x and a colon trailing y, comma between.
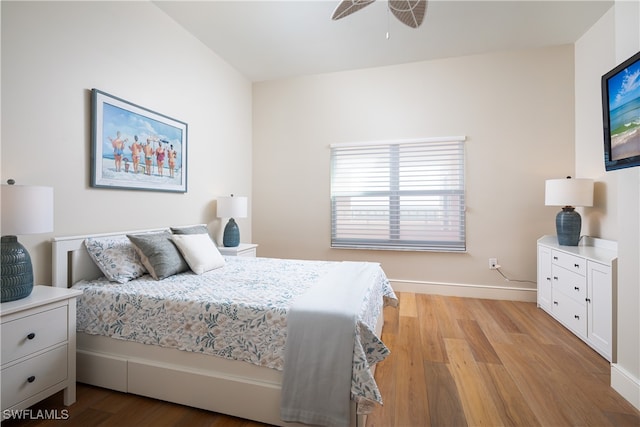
x: 405, y: 195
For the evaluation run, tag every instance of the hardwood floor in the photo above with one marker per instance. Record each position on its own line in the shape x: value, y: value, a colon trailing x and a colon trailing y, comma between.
x: 454, y: 362
x: 473, y: 362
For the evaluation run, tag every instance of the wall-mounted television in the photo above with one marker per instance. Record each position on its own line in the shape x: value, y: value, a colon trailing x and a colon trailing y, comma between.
x: 621, y: 114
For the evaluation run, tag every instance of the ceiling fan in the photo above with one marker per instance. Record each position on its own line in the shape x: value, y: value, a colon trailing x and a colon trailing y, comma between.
x: 409, y: 12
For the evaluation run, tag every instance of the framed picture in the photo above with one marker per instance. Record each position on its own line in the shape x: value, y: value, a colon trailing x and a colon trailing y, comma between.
x: 136, y: 148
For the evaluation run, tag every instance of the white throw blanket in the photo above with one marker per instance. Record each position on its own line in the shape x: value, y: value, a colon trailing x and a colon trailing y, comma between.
x: 318, y: 357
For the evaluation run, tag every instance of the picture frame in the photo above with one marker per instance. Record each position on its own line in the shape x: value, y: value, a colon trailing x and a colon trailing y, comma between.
x: 135, y: 148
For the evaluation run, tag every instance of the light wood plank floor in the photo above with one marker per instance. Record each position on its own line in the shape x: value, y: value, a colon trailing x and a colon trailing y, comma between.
x: 454, y: 362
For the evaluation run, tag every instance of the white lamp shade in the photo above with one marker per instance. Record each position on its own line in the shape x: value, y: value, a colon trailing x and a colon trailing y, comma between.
x: 26, y: 209
x: 232, y: 207
x: 569, y: 192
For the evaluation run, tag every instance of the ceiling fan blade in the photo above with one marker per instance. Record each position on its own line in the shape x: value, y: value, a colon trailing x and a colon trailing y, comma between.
x: 409, y: 12
x: 347, y: 7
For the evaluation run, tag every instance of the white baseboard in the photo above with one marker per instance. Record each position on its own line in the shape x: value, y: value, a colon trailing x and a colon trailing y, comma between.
x: 626, y: 384
x: 466, y: 290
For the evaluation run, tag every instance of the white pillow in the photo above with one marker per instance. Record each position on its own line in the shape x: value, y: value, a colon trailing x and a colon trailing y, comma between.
x: 199, y: 251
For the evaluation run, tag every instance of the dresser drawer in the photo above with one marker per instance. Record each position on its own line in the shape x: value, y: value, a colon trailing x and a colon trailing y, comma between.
x: 29, y: 334
x: 248, y: 253
x: 572, y: 314
x: 571, y: 284
x: 570, y: 262
x: 30, y: 377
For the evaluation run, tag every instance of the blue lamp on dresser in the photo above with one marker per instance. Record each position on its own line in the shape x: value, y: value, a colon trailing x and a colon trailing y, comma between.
x: 231, y: 207
x: 25, y: 210
x: 569, y: 193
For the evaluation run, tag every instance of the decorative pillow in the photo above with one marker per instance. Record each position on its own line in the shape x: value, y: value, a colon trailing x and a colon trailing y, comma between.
x: 116, y: 257
x: 195, y: 229
x: 199, y: 251
x: 158, y: 254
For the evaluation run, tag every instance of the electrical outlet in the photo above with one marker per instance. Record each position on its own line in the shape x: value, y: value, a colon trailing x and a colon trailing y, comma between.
x: 493, y: 263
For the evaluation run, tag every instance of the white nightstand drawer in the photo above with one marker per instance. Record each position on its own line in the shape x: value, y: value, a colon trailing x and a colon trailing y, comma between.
x: 571, y: 284
x: 251, y: 253
x: 243, y: 250
x: 570, y: 262
x: 33, y: 333
x: 27, y: 378
x: 570, y: 313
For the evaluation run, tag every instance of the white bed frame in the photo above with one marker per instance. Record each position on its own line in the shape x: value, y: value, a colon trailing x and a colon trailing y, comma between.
x: 193, y: 379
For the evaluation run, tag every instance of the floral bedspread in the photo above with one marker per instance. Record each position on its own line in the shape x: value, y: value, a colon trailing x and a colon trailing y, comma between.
x: 237, y: 312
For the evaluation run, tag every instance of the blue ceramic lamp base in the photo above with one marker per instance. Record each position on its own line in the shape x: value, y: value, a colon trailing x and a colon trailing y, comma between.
x: 568, y: 226
x: 17, y: 272
x: 231, y: 236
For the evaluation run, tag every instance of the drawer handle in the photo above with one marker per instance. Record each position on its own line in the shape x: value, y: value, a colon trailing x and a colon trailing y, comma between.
x: 576, y: 288
x: 555, y: 277
x: 555, y: 258
x: 555, y: 302
x: 31, y: 379
x: 549, y: 278
x: 31, y: 336
x: 576, y: 265
x: 587, y: 299
x: 577, y: 317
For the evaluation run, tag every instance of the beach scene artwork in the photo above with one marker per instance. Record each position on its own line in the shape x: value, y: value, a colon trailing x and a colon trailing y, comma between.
x: 137, y: 148
x: 624, y: 116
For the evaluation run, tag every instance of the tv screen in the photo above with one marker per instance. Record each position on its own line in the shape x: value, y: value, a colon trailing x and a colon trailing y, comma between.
x: 621, y: 114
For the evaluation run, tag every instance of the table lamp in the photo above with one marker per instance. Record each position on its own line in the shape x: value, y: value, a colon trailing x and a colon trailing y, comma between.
x: 25, y: 210
x: 568, y: 193
x: 231, y: 207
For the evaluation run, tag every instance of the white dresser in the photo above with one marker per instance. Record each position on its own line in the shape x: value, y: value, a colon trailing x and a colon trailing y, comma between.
x: 243, y: 249
x: 38, y: 347
x: 577, y: 286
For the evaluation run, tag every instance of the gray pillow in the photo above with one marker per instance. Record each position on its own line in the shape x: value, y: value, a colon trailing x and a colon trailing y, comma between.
x: 158, y: 254
x: 195, y: 229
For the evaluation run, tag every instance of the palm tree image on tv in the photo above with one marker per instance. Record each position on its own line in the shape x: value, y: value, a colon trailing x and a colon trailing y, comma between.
x: 624, y: 117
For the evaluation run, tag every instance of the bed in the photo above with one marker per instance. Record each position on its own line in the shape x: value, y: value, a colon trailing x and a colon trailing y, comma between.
x: 222, y: 372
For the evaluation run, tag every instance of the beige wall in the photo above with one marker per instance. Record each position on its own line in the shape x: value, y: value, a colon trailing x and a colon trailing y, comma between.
x: 54, y: 53
x: 594, y: 56
x: 516, y: 109
x: 616, y: 216
x: 626, y: 373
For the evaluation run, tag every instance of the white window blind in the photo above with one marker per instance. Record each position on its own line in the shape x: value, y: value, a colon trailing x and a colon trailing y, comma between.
x: 405, y: 195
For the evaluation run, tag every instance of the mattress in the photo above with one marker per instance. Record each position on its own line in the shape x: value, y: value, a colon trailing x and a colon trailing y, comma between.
x: 236, y: 312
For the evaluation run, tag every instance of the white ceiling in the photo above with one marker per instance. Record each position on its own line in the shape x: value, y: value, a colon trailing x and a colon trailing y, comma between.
x: 266, y: 39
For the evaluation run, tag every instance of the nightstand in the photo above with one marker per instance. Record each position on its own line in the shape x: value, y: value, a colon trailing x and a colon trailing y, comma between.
x: 243, y: 249
x: 38, y: 347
